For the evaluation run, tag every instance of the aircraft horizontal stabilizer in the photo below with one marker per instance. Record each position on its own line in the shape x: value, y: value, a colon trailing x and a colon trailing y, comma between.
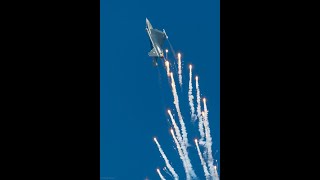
x: 153, y: 53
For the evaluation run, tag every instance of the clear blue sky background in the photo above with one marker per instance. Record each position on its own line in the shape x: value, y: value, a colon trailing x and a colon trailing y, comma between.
x: 135, y: 95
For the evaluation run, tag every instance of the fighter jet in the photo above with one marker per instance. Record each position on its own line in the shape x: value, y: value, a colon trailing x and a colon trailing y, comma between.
x: 157, y: 39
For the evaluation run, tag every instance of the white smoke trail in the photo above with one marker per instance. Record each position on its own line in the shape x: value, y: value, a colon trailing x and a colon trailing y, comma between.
x: 167, y: 67
x: 184, y: 143
x: 176, y: 103
x: 205, y: 108
x: 199, y: 113
x: 179, y: 69
x: 181, y: 155
x: 208, y: 138
x: 175, y: 175
x: 193, y: 116
x: 176, y: 128
x: 161, y: 177
x: 205, y: 169
x: 181, y: 146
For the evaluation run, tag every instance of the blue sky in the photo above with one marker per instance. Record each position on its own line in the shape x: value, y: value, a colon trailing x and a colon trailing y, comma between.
x: 135, y: 95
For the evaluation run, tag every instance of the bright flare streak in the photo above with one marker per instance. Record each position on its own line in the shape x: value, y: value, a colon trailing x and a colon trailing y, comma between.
x: 205, y: 169
x: 179, y: 69
x: 167, y: 67
x: 166, y: 53
x: 176, y: 128
x: 208, y: 138
x: 175, y: 175
x: 161, y: 177
x: 181, y: 155
x: 190, y: 96
x: 215, y: 173
x: 201, y: 130
x: 176, y: 103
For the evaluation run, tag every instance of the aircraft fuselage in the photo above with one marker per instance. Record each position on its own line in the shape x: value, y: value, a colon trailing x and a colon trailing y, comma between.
x: 156, y: 40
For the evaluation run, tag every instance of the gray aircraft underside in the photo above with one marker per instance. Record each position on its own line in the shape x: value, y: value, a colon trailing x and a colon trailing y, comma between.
x: 157, y: 39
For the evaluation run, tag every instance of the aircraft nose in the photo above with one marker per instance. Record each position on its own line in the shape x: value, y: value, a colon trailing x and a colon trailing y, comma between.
x: 148, y: 24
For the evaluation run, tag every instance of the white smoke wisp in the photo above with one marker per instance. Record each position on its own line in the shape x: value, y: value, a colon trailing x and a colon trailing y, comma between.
x: 201, y: 130
x: 208, y: 144
x: 176, y: 103
x: 175, y: 175
x: 181, y: 155
x: 161, y: 176
x: 190, y: 96
x: 179, y: 69
x: 166, y: 171
x: 203, y: 162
